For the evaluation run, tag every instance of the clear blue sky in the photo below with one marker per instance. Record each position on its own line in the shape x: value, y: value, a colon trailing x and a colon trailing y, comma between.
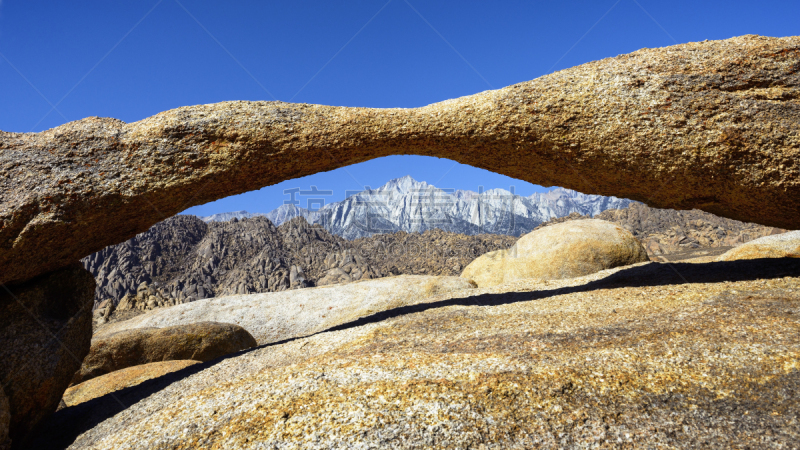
x: 131, y: 60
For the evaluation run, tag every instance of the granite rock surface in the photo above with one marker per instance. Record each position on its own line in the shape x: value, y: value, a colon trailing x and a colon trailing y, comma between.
x: 653, y: 355
x: 198, y: 341
x: 667, y: 231
x: 786, y: 245
x: 276, y: 316
x: 121, y: 379
x: 183, y: 259
x: 45, y: 331
x: 712, y: 125
x: 566, y: 250
x: 5, y: 419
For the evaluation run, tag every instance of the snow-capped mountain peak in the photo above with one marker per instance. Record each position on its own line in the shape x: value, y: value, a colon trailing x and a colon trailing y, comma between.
x: 224, y: 217
x: 405, y: 185
x: 405, y: 204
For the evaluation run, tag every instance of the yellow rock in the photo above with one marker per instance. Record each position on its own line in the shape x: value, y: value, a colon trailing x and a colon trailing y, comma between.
x: 786, y: 245
x: 200, y: 341
x: 565, y: 250
x: 121, y: 379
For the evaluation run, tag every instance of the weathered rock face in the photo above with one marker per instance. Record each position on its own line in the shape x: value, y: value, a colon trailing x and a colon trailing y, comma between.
x: 566, y: 250
x: 199, y: 341
x: 121, y: 379
x: 184, y: 259
x: 640, y: 357
x: 45, y: 331
x: 786, y: 245
x: 5, y: 419
x: 707, y: 125
x: 276, y: 316
x: 666, y: 231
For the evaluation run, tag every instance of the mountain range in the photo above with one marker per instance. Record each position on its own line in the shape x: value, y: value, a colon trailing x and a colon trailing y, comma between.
x: 405, y: 204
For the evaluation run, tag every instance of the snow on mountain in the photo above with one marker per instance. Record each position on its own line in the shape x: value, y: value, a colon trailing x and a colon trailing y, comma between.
x: 224, y: 217
x: 404, y: 204
x: 287, y: 212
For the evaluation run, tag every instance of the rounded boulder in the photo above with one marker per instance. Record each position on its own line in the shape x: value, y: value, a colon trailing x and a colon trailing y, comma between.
x: 785, y: 245
x: 565, y: 250
x: 200, y: 341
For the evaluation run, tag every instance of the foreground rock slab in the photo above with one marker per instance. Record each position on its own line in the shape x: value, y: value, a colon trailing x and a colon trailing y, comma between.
x: 45, y: 331
x: 121, y: 379
x: 707, y: 125
x: 276, y: 316
x: 656, y: 355
x: 565, y: 250
x: 786, y: 245
x: 199, y: 341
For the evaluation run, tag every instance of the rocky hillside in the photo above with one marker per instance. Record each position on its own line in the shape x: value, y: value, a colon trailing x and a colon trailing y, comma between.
x: 183, y: 258
x: 670, y: 232
x: 405, y: 204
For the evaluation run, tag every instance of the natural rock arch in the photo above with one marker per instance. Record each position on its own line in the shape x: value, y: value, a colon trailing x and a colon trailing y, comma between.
x: 708, y: 125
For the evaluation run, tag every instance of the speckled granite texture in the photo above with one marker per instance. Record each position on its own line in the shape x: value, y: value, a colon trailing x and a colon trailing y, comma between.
x: 45, y: 331
x: 680, y: 355
x: 786, y: 245
x: 707, y: 125
x: 565, y: 250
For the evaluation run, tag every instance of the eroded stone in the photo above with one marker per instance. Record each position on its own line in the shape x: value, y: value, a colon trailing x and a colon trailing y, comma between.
x: 786, y: 245
x: 565, y: 250
x: 199, y: 341
x: 45, y: 331
x: 707, y: 125
x: 276, y: 316
x: 121, y: 379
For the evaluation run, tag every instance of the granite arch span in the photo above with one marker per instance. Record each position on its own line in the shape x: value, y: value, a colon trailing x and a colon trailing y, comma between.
x: 708, y: 125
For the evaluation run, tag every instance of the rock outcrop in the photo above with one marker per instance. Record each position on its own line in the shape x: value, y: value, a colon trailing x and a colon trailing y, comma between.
x: 786, y: 245
x: 652, y: 356
x: 121, y: 379
x: 277, y: 316
x: 5, y: 419
x: 666, y: 231
x: 198, y: 341
x: 183, y: 259
x: 565, y: 250
x: 707, y: 125
x: 45, y: 331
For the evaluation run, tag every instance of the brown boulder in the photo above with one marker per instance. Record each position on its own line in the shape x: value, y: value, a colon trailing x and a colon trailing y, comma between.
x: 45, y: 331
x: 565, y: 250
x: 5, y: 418
x: 707, y: 125
x: 121, y: 379
x: 201, y: 341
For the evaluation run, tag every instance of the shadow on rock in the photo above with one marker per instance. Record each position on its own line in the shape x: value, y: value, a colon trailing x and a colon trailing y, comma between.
x: 62, y: 428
